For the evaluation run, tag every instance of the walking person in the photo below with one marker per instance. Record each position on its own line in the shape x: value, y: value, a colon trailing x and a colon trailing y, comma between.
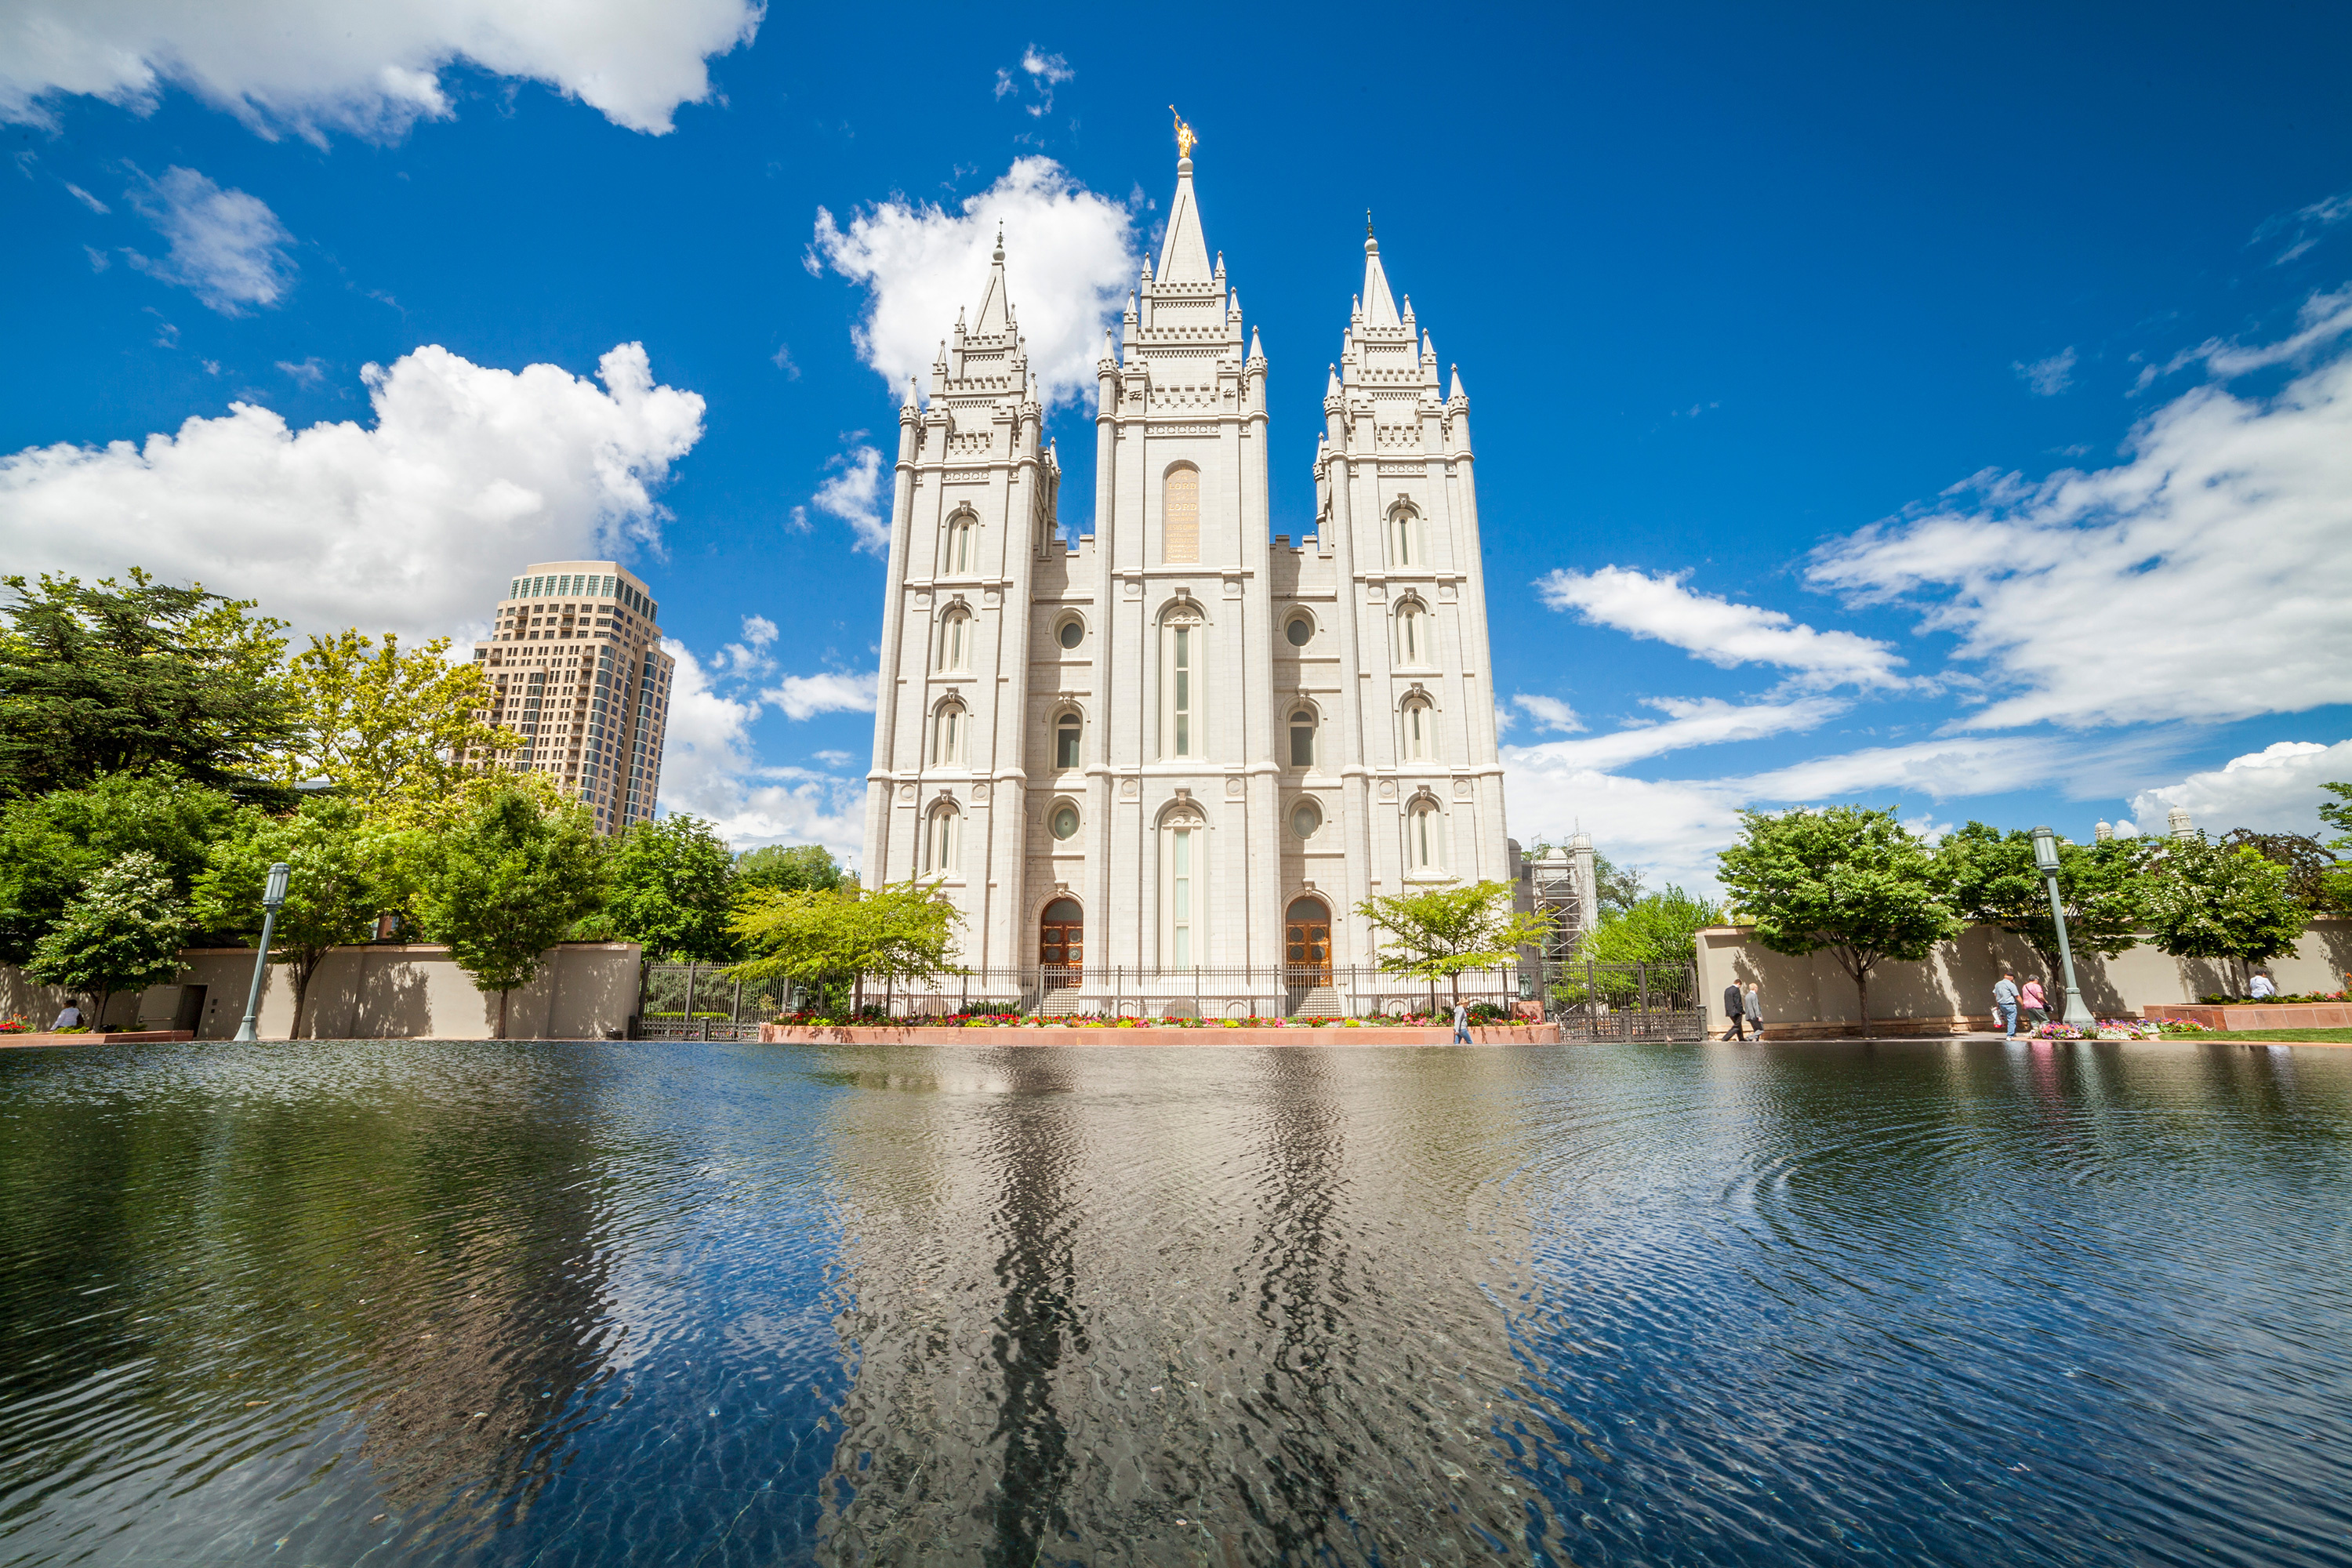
x: 1461, y: 1022
x: 2004, y: 1004
x: 1735, y: 1009
x: 2033, y: 1004
x: 1755, y: 1011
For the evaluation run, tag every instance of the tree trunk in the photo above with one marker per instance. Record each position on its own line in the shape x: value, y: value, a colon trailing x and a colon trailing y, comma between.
x: 502, y: 1015
x: 302, y: 973
x: 1862, y: 997
x: 96, y: 1022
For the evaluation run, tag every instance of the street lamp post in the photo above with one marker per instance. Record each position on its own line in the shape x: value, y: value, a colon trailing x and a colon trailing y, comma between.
x: 2046, y: 857
x: 272, y: 898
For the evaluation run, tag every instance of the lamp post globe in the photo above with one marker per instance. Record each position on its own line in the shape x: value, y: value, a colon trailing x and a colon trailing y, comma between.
x: 273, y: 898
x: 2045, y: 860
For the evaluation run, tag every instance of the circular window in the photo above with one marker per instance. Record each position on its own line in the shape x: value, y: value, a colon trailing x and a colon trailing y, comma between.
x: 1072, y: 633
x: 1300, y: 631
x: 1065, y: 821
x: 1305, y: 819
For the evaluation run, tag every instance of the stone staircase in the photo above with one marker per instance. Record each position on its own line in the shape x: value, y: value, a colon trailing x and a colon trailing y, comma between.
x: 1062, y: 1002
x: 1323, y: 1002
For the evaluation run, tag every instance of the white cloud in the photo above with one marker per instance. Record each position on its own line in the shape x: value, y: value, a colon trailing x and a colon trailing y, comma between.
x: 2205, y: 577
x: 373, y: 69
x: 91, y: 202
x: 226, y: 246
x: 853, y: 492
x: 2274, y: 790
x: 412, y: 524
x: 2047, y: 377
x: 708, y: 769
x: 1549, y: 713
x: 1070, y: 259
x: 834, y: 691
x: 1045, y: 72
x: 833, y: 759
x: 1715, y: 629
x: 2308, y: 225
x: 759, y: 631
x: 1691, y: 723
x: 308, y: 373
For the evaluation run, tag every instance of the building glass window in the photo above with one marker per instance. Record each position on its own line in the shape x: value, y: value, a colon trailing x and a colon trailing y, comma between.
x: 1305, y: 819
x: 1065, y: 821
x: 1424, y: 836
x: 1072, y: 632
x: 1413, y: 634
x: 940, y: 840
x: 1401, y: 525
x: 1180, y: 515
x: 961, y: 530
x: 1066, y: 730
x: 1302, y: 739
x: 1181, y: 684
x: 1300, y: 631
x: 955, y: 637
x: 1184, y: 843
x: 948, y: 739
x: 1417, y: 726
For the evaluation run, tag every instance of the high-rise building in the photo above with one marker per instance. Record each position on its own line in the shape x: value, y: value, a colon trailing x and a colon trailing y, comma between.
x: 577, y: 660
x: 1177, y: 743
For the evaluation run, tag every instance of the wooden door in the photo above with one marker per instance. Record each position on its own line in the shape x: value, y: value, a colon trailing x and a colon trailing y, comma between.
x: 1307, y: 943
x: 1061, y: 942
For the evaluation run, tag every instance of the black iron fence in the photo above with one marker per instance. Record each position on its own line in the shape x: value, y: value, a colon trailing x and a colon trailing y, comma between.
x: 1589, y: 1001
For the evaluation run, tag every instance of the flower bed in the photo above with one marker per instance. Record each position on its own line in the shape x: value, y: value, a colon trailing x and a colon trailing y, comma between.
x: 2111, y: 1029
x: 1481, y: 1016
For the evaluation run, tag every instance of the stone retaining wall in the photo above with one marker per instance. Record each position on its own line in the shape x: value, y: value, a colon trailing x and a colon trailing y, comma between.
x: 937, y: 1035
x: 2256, y: 1015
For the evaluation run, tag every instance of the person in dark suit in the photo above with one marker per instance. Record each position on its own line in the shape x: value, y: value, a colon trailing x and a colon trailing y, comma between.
x: 1735, y: 1010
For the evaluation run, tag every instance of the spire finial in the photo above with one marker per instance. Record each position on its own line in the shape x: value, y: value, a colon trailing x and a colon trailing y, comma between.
x: 1000, y: 239
x: 1368, y: 223
x: 1185, y: 140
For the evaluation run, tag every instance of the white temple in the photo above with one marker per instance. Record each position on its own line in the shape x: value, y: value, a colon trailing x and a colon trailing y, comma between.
x: 1184, y: 743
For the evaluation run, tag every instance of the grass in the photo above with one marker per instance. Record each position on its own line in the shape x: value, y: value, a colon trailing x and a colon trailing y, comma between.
x: 2332, y: 1036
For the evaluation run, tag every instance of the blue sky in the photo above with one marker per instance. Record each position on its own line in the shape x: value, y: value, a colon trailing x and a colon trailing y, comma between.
x: 1934, y: 407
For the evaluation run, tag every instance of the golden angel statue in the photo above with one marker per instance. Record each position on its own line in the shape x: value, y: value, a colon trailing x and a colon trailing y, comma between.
x: 1185, y: 140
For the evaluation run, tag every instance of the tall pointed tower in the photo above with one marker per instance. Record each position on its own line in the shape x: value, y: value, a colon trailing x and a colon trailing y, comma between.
x: 1172, y: 859
x: 972, y: 519
x: 1410, y: 720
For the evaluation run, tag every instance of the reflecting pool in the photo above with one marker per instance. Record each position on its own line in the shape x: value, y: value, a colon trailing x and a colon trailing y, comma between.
x: 535, y: 1303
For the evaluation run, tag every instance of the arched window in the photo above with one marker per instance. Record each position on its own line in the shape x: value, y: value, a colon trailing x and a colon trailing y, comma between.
x: 1402, y: 523
x: 955, y: 641
x: 948, y: 735
x: 1180, y: 684
x: 1183, y: 837
x: 1413, y: 633
x: 962, y: 545
x: 1179, y: 514
x: 1424, y: 836
x: 1066, y: 730
x: 940, y: 839
x: 1420, y: 723
x: 1302, y: 738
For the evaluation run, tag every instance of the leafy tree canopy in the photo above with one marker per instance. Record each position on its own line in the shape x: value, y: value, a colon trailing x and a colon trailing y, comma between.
x: 818, y: 937
x: 669, y: 886
x: 113, y: 677
x: 121, y: 932
x: 1991, y: 876
x: 1843, y: 879
x: 788, y: 868
x: 1658, y: 928
x: 2336, y: 886
x: 388, y: 729
x: 344, y: 871
x: 1438, y: 934
x: 2306, y: 861
x: 2224, y: 901
x: 51, y: 844
x: 509, y: 881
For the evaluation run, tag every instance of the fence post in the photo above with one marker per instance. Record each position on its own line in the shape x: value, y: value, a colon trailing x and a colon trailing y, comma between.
x: 689, y: 997
x: 737, y: 1017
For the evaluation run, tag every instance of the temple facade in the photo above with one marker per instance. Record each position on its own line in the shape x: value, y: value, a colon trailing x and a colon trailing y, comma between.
x: 1183, y: 742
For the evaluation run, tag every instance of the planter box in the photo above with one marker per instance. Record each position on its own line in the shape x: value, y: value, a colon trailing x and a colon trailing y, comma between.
x: 107, y: 1037
x: 2257, y: 1014
x: 937, y: 1035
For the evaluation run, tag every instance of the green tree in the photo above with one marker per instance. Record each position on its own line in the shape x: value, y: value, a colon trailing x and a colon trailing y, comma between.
x: 2335, y: 886
x: 51, y: 844
x: 2307, y: 862
x: 2223, y: 901
x: 1991, y: 878
x: 1438, y: 934
x: 112, y: 679
x: 508, y: 881
x: 343, y: 872
x: 123, y: 931
x: 668, y: 885
x: 1843, y: 879
x: 788, y: 868
x: 390, y: 729
x: 821, y: 938
x: 1657, y: 927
